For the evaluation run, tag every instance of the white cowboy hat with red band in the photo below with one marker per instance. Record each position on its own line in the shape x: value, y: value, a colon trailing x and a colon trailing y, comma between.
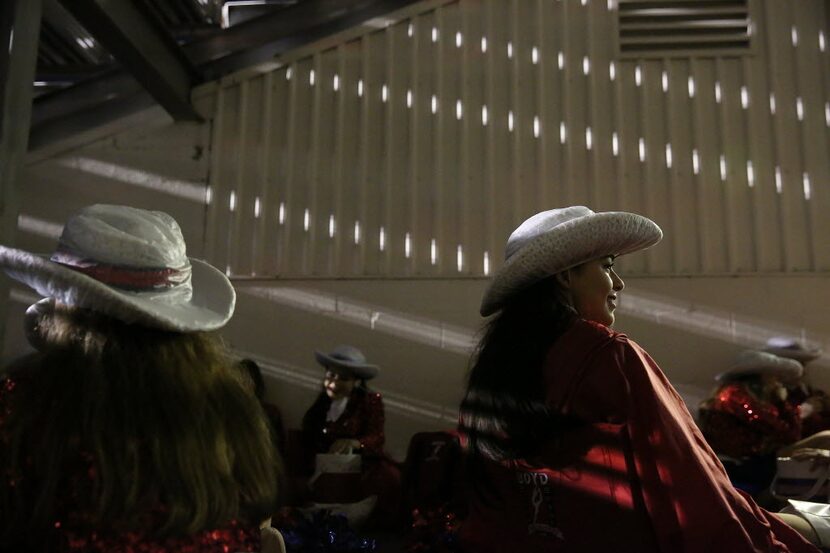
x: 558, y: 239
x: 130, y: 264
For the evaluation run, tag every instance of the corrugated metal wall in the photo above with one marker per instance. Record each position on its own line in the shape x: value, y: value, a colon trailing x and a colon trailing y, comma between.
x: 415, y: 148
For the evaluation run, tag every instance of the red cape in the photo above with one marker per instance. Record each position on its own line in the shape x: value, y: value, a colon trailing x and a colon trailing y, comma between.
x: 639, y: 477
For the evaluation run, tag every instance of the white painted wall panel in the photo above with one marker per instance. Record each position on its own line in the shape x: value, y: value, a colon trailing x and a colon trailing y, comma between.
x: 432, y: 137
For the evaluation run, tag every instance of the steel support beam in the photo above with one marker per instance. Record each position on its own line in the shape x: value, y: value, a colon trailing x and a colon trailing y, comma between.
x: 261, y: 39
x: 144, y: 49
x: 255, y: 41
x: 19, y: 24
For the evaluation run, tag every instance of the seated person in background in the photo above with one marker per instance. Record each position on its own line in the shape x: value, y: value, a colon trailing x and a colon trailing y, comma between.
x: 813, y: 403
x: 748, y: 417
x: 347, y: 417
x: 129, y: 429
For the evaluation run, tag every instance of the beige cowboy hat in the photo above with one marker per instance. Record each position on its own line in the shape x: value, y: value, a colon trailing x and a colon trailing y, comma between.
x: 129, y: 264
x: 558, y: 239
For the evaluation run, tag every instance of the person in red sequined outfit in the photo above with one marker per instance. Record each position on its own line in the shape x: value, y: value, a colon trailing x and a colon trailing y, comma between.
x: 129, y: 430
x: 749, y: 414
x: 348, y: 417
x: 577, y: 441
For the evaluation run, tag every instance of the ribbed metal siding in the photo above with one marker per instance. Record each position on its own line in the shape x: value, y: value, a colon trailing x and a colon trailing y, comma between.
x: 398, y: 146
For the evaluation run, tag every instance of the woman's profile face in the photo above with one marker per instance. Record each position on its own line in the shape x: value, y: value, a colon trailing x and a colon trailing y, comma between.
x: 338, y: 384
x: 594, y: 287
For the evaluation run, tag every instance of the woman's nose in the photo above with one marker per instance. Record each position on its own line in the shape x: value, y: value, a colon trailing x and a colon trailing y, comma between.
x: 617, y: 281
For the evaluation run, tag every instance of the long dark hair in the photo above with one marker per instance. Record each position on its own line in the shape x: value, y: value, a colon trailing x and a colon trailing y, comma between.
x: 128, y: 426
x: 503, y: 414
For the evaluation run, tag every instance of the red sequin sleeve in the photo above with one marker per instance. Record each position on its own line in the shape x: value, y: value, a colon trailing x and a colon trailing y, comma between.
x: 738, y: 424
x: 372, y: 437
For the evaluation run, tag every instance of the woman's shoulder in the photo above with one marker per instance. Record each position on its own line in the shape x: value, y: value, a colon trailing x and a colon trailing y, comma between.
x: 590, y: 335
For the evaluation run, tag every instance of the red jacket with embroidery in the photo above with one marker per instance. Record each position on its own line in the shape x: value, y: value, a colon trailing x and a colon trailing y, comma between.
x: 639, y: 476
x: 362, y: 420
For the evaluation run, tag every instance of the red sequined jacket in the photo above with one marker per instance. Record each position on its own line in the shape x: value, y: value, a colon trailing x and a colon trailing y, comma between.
x: 362, y: 420
x: 737, y: 423
x: 70, y: 530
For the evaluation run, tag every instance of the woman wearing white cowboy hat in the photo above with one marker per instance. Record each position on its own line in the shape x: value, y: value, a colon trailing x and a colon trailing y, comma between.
x: 348, y: 417
x: 129, y: 429
x: 577, y: 441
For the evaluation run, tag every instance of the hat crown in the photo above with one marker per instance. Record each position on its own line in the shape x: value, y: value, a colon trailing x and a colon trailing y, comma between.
x: 348, y: 353
x: 542, y: 222
x: 124, y: 236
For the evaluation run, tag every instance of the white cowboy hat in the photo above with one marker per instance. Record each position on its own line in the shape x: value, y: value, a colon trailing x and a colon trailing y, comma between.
x: 350, y: 359
x: 783, y: 346
x: 129, y: 264
x: 760, y: 362
x: 556, y: 240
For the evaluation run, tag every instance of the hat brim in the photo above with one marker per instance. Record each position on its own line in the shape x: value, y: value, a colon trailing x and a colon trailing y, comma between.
x: 789, y: 370
x: 209, y: 307
x: 566, y: 246
x: 362, y: 371
x: 800, y: 355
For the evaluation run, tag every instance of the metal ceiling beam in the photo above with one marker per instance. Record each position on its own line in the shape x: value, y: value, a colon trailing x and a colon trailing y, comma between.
x: 261, y: 39
x: 144, y: 49
x: 256, y: 41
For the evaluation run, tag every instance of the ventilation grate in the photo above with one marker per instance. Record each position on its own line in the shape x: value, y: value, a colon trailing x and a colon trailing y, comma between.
x: 674, y: 28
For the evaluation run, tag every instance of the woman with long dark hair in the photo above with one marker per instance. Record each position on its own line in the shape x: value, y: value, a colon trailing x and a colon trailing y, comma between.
x: 576, y: 439
x: 129, y: 429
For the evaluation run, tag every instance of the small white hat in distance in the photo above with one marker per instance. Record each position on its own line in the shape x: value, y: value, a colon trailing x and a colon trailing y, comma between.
x: 350, y: 359
x: 760, y: 362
